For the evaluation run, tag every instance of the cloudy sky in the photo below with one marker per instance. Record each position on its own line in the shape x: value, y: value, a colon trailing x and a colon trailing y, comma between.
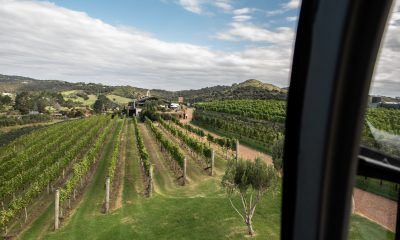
x: 168, y: 44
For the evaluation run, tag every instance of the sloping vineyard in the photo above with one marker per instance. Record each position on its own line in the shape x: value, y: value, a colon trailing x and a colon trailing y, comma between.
x: 202, y: 152
x: 178, y: 159
x: 222, y: 142
x: 33, y: 172
x: 261, y: 122
x: 255, y: 122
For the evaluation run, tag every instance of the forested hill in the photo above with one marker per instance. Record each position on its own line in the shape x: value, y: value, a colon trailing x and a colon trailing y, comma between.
x: 249, y: 89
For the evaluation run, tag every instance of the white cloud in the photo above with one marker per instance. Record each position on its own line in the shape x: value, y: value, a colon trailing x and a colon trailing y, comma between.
x: 386, y: 79
x: 191, y: 5
x: 242, y: 11
x: 224, y: 5
x: 196, y: 6
x: 292, y: 18
x: 241, y: 18
x: 248, y: 31
x: 292, y: 4
x: 44, y: 41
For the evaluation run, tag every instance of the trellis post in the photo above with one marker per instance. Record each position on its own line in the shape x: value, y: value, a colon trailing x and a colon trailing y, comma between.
x: 57, y: 210
x: 107, y: 194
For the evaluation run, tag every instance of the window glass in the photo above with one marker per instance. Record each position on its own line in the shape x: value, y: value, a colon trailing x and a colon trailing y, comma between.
x: 375, y: 201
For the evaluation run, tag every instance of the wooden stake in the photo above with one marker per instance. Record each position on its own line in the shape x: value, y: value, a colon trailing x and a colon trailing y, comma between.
x: 212, y: 162
x: 26, y: 215
x: 107, y: 194
x: 184, y: 171
x: 56, y: 210
x: 237, y: 151
x: 150, y: 180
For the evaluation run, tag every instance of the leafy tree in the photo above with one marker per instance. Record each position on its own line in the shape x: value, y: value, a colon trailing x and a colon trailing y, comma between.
x: 5, y: 100
x: 277, y: 155
x: 23, y: 102
x: 102, y: 104
x: 249, y: 180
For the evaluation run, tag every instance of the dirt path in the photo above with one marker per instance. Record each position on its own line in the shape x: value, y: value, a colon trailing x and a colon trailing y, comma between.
x: 376, y: 208
x: 244, y: 151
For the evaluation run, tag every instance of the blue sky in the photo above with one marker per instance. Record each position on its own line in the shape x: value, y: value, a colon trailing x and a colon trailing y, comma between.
x: 170, y: 21
x: 164, y: 44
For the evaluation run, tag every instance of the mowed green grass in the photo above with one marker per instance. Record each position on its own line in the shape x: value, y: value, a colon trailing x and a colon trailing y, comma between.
x: 199, y: 210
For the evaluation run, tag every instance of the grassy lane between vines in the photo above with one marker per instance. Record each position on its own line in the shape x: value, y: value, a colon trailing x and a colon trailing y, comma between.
x: 164, y: 179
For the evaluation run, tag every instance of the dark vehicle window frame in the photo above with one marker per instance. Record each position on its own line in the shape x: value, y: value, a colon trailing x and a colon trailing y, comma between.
x: 336, y: 48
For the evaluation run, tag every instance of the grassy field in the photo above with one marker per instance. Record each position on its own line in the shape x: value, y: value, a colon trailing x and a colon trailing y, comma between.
x: 70, y: 95
x: 199, y: 210
x: 118, y: 99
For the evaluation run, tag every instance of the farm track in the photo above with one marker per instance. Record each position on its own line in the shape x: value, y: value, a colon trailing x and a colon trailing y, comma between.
x: 376, y: 208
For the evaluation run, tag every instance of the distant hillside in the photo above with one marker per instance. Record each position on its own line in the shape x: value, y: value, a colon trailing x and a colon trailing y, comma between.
x: 13, y: 84
x: 249, y: 89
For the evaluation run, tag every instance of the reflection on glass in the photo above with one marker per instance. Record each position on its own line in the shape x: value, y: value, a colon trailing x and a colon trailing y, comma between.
x: 375, y: 200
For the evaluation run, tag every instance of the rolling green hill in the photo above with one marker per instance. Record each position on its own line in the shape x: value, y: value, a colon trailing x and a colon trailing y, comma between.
x: 249, y: 89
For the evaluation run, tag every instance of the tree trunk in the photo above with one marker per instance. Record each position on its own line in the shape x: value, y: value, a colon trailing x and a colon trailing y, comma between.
x: 249, y: 227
